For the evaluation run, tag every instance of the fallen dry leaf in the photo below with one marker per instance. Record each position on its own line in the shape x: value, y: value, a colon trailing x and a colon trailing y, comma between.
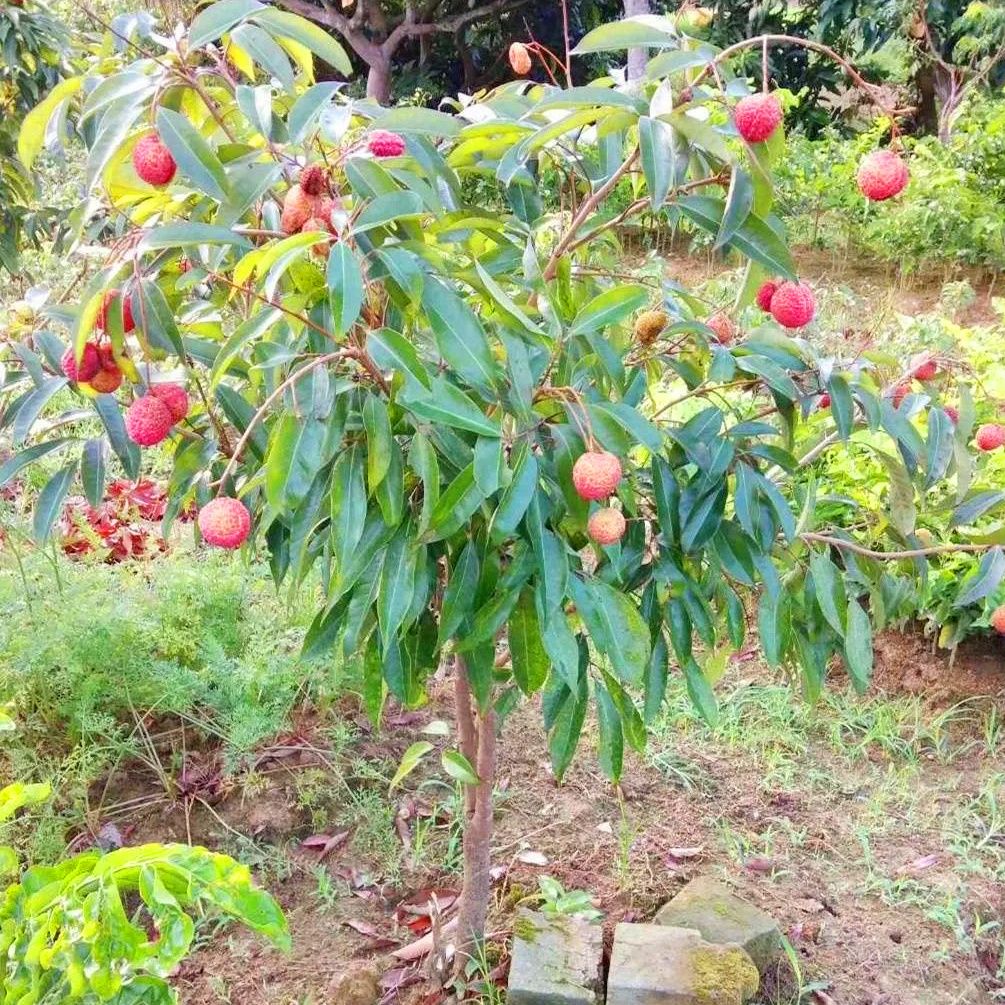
x: 530, y: 857
x: 422, y: 947
x: 919, y: 865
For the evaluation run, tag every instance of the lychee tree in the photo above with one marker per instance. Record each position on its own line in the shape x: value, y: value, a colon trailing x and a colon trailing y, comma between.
x: 377, y: 355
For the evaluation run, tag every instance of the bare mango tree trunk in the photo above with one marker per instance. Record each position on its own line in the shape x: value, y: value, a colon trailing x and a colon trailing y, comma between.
x: 637, y: 58
x: 476, y: 732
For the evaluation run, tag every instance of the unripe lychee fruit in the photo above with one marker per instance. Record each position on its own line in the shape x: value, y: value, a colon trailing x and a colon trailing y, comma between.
x: 89, y: 365
x: 998, y: 620
x: 606, y: 526
x: 990, y: 436
x: 174, y: 397
x: 923, y: 366
x: 148, y: 420
x: 824, y: 401
x: 764, y: 294
x: 108, y: 302
x: 793, y: 305
x: 519, y: 58
x: 649, y: 326
x: 298, y: 208
x: 312, y: 179
x: 385, y: 144
x: 723, y: 326
x: 596, y: 474
x: 106, y: 381
x: 953, y: 413
x: 882, y: 174
x: 224, y: 522
x: 153, y: 161
x: 757, y: 117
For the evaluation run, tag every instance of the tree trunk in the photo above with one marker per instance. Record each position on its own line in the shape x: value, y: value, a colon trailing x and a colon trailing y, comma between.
x: 637, y: 58
x: 476, y: 730
x: 927, y: 114
x: 378, y: 80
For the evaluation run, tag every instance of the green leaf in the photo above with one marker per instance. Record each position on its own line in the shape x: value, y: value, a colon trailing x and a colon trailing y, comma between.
x: 183, y: 235
x: 618, y: 630
x: 409, y: 762
x: 397, y: 583
x: 448, y: 404
x: 842, y: 405
x: 611, y: 741
x: 111, y: 415
x: 647, y: 31
x: 968, y: 511
x: 17, y: 795
x: 829, y: 591
x: 23, y: 458
x: 266, y: 52
x: 50, y: 501
x: 940, y: 445
x: 387, y: 209
x: 32, y: 406
x: 984, y: 581
x: 739, y: 204
x: 377, y: 423
x: 31, y: 137
x: 212, y: 21
x: 858, y: 646
x: 458, y: 767
x: 459, y: 336
x: 701, y: 693
x: 518, y: 494
x: 292, y: 461
x: 656, y: 147
x: 421, y: 121
x: 320, y: 42
x: 92, y: 470
x: 390, y: 350
x: 609, y: 308
x: 530, y: 661
x: 459, y: 596
x: 345, y: 286
x: 194, y: 156
x: 457, y: 503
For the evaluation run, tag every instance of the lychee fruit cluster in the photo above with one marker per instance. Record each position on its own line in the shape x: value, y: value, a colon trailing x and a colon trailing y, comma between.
x: 96, y: 367
x: 793, y: 304
x: 150, y: 418
x: 152, y: 160
x: 723, y: 327
x: 649, y: 325
x: 990, y: 436
x: 998, y: 620
x: 382, y: 143
x: 308, y: 202
x: 596, y: 474
x: 224, y: 522
x: 606, y: 526
x: 519, y: 59
x: 882, y: 174
x: 757, y: 116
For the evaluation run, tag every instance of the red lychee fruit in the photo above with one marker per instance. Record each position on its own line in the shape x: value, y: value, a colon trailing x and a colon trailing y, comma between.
x: 385, y: 144
x: 899, y: 392
x: 882, y: 174
x: 224, y: 522
x: 990, y: 436
x: 174, y: 397
x: 153, y: 161
x: 606, y: 526
x: 824, y: 401
x: 596, y: 474
x: 998, y: 620
x: 108, y: 361
x: 923, y: 366
x: 298, y: 208
x: 723, y: 326
x: 89, y: 365
x: 764, y: 294
x: 519, y: 58
x: 953, y: 413
x: 148, y: 420
x: 312, y: 179
x: 757, y: 117
x: 110, y: 298
x: 107, y: 381
x: 793, y: 305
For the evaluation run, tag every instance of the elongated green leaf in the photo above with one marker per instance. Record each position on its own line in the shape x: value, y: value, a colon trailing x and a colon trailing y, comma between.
x: 410, y: 761
x: 320, y: 42
x: 459, y: 768
x: 377, y: 423
x: 618, y: 630
x: 975, y: 506
x: 739, y: 203
x: 450, y: 405
x: 348, y: 501
x: 459, y: 336
x: 92, y: 470
x: 984, y: 581
x: 609, y: 308
x: 858, y: 646
x: 656, y: 147
x: 397, y: 583
x: 31, y: 408
x: 212, y: 21
x: 266, y: 52
x: 50, y: 500
x: 194, y: 156
x: 647, y: 31
x: 345, y: 286
x: 459, y: 596
x: 611, y: 740
x: 23, y: 458
x: 829, y: 590
x: 530, y: 661
x: 390, y: 350
x: 111, y: 416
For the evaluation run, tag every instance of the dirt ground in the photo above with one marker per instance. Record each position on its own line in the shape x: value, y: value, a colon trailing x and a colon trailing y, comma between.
x: 869, y: 828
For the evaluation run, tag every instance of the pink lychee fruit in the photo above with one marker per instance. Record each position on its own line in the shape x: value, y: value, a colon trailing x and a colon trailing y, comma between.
x: 757, y: 117
x: 89, y: 365
x: 953, y: 413
x: 385, y: 144
x: 723, y: 326
x: 174, y: 397
x: 998, y: 620
x: 224, y: 522
x: 793, y: 305
x: 148, y: 420
x: 882, y: 174
x: 923, y: 366
x: 991, y: 436
x: 824, y: 401
x: 606, y: 526
x: 596, y: 474
x: 153, y: 161
x: 764, y: 294
x: 899, y: 393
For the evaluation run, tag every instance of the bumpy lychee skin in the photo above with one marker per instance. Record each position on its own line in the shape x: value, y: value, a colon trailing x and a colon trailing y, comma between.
x: 108, y: 302
x: 519, y: 59
x: 312, y: 179
x: 148, y: 421
x: 385, y: 144
x: 793, y: 305
x: 882, y: 174
x: 153, y: 161
x: 649, y: 326
x: 764, y: 294
x: 953, y: 413
x: 106, y: 381
x: 824, y: 401
x: 990, y: 436
x: 224, y: 523
x: 606, y: 526
x: 923, y: 366
x: 174, y: 397
x: 723, y: 326
x: 757, y: 117
x: 998, y: 620
x: 89, y: 365
x: 596, y: 474
x: 298, y: 208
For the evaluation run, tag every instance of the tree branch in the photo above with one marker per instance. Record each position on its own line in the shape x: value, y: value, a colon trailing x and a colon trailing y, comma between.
x: 413, y: 29
x: 893, y: 556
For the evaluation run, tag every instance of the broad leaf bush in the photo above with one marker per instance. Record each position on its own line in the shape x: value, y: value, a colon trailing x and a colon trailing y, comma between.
x: 399, y: 391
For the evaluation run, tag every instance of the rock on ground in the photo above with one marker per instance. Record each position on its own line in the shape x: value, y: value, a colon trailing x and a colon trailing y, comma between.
x: 722, y: 917
x: 660, y: 965
x: 555, y: 961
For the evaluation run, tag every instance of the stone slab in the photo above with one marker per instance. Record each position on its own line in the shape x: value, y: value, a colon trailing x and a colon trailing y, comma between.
x: 661, y: 965
x: 555, y: 961
x: 722, y: 917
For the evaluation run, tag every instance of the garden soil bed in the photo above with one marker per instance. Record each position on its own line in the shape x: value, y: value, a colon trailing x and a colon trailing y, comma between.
x: 853, y: 877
